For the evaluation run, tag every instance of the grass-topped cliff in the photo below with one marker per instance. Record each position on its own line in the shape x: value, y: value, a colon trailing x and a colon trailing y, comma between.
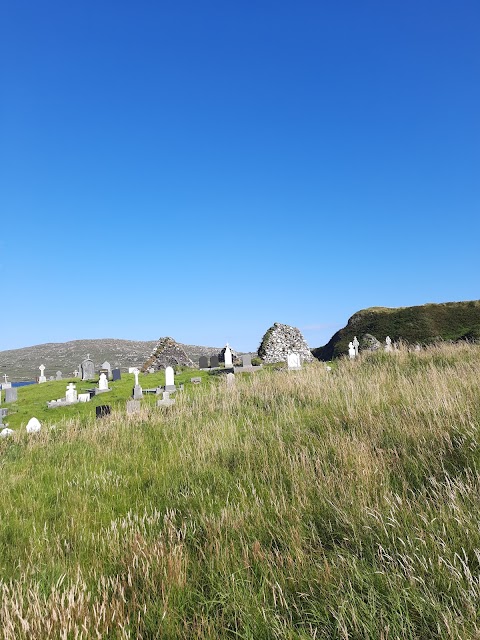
x: 423, y: 324
x: 295, y: 505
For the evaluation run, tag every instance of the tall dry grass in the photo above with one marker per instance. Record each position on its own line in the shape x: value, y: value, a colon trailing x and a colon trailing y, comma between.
x: 309, y: 504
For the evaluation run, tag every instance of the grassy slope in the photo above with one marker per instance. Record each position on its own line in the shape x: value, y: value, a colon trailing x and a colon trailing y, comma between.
x: 423, y: 324
x: 32, y: 400
x: 299, y: 505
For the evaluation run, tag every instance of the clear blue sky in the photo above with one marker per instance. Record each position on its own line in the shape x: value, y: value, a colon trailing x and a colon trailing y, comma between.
x: 204, y: 169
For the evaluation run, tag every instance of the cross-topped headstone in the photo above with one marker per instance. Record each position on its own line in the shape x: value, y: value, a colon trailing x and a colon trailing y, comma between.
x: 5, y: 377
x: 356, y: 344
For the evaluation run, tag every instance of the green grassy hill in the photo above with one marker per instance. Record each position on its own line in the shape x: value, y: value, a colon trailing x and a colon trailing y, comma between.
x: 423, y: 324
x: 305, y: 504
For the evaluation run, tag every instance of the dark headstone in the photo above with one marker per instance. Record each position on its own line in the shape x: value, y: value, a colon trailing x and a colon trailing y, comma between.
x: 102, y: 410
x: 213, y: 362
x: 116, y: 375
x: 203, y: 362
x: 11, y: 394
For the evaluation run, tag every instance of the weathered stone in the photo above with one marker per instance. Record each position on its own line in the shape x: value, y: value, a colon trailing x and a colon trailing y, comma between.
x: 279, y: 341
x: 167, y: 353
x: 369, y: 343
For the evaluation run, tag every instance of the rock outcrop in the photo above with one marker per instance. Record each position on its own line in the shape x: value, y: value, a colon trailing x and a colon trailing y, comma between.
x: 167, y: 353
x: 279, y: 341
x: 369, y: 343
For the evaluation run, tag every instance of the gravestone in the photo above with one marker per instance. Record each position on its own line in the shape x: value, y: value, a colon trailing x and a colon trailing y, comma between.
x: 203, y: 362
x: 87, y: 369
x: 6, y: 432
x: 51, y: 378
x: 293, y: 361
x: 116, y: 375
x: 388, y: 344
x: 230, y: 379
x: 247, y: 360
x: 351, y: 351
x: 106, y: 367
x: 33, y: 425
x: 102, y: 410
x: 11, y: 394
x: 196, y: 380
x: 42, y: 377
x: 214, y: 362
x: 83, y: 397
x: 228, y: 357
x: 58, y: 375
x: 137, y: 392
x: 75, y: 373
x: 71, y: 395
x: 169, y: 379
x: 356, y: 344
x: 166, y: 401
x: 133, y: 406
x: 103, y: 382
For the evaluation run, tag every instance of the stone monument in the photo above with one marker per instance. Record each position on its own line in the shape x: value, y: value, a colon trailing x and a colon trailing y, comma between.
x: 42, y: 377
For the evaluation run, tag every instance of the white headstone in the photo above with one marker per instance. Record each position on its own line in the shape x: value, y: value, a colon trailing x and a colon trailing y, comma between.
x: 169, y: 377
x: 84, y: 397
x: 351, y: 351
x: 135, y: 372
x: 6, y: 432
x: 103, y: 382
x: 356, y: 344
x: 33, y: 425
x: 230, y: 379
x: 42, y: 377
x: 293, y: 361
x: 228, y: 357
x: 71, y: 394
x: 388, y: 343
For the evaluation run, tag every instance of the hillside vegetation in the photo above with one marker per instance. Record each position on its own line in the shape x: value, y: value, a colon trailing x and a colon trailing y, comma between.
x: 423, y: 324
x: 22, y: 364
x: 304, y: 504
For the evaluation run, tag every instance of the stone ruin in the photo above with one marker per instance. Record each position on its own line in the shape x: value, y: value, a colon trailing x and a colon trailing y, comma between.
x: 281, y: 340
x: 167, y: 353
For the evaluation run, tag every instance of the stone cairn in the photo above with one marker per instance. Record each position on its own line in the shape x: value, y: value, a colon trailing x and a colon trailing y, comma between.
x: 279, y: 341
x: 167, y: 353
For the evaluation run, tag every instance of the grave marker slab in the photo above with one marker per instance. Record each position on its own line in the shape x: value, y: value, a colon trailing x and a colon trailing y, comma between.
x: 11, y: 395
x: 133, y: 406
x: 116, y: 375
x: 102, y: 410
x: 214, y: 362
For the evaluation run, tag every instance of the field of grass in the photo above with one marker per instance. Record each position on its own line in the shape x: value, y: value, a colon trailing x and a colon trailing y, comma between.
x: 306, y: 504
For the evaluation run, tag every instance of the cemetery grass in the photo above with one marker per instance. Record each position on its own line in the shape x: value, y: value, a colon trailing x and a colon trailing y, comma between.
x: 306, y: 504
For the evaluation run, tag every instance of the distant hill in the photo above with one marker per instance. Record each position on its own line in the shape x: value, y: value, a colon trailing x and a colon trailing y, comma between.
x: 22, y: 364
x: 422, y: 324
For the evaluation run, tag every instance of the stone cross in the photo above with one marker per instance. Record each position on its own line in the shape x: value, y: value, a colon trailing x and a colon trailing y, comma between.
x: 75, y: 373
x: 356, y: 344
x: 5, y: 377
x: 135, y: 373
